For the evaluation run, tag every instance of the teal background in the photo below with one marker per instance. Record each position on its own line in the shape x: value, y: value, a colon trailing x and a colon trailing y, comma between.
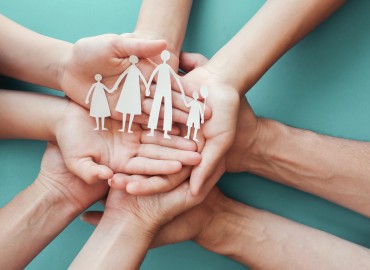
x: 322, y: 84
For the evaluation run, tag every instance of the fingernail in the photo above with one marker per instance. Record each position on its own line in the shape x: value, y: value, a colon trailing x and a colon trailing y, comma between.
x: 110, y: 181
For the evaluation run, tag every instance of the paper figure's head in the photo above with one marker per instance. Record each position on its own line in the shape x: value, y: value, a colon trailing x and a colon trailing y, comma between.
x: 165, y: 55
x: 98, y: 77
x: 195, y: 95
x: 133, y: 59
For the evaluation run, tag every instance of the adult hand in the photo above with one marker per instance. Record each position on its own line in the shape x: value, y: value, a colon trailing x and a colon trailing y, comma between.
x: 94, y: 155
x: 207, y: 223
x: 107, y: 55
x: 67, y: 188
x: 219, y: 131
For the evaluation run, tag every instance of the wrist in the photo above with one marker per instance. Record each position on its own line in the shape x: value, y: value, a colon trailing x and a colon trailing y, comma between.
x: 65, y: 52
x: 263, y: 151
x: 58, y: 200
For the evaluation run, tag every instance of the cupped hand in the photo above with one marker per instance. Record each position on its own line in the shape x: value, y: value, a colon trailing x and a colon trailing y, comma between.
x: 106, y: 55
x: 218, y: 132
x: 94, y: 155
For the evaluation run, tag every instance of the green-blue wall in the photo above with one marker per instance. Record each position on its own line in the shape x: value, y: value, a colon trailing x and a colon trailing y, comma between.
x: 322, y: 84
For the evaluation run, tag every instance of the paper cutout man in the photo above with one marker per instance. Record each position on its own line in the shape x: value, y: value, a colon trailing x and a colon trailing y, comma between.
x: 99, y: 104
x: 195, y: 113
x: 129, y: 101
x: 162, y: 91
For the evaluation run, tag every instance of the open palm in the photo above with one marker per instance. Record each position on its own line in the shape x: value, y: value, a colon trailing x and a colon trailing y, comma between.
x: 94, y: 155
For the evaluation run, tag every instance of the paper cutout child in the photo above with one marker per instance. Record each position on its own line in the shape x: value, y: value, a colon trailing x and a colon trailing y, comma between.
x: 163, y: 91
x: 99, y: 104
x: 129, y: 101
x: 195, y: 113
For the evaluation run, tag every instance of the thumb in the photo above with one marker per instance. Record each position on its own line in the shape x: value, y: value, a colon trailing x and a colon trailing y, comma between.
x: 142, y: 48
x: 88, y: 170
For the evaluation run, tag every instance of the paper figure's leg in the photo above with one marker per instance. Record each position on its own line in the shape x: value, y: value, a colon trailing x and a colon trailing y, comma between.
x: 102, y: 123
x: 188, y: 135
x: 130, y: 123
x: 154, y: 113
x: 165, y: 135
x: 151, y: 133
x: 195, y: 135
x: 123, y: 123
x: 97, y: 123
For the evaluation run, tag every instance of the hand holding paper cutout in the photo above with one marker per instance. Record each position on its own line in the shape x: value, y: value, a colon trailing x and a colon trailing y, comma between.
x: 106, y: 55
x: 219, y: 131
x: 97, y: 155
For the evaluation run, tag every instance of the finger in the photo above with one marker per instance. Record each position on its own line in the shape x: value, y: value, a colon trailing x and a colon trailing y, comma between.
x: 142, y: 48
x: 178, y: 116
x: 165, y: 153
x: 119, y: 181
x: 176, y: 142
x: 92, y: 217
x: 190, y: 61
x: 212, y: 154
x: 88, y: 170
x: 146, y: 166
x: 157, y: 184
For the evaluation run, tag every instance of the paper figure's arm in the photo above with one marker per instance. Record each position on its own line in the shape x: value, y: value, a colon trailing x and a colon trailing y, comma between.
x: 120, y: 78
x: 29, y: 56
x: 89, y: 93
x: 143, y: 79
x: 178, y: 82
x: 272, y: 31
x: 147, y: 91
x: 168, y: 22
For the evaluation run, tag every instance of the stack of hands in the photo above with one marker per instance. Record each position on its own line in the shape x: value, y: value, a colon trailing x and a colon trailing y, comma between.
x: 158, y: 191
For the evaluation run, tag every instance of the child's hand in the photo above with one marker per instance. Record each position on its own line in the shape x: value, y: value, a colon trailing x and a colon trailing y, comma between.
x: 94, y: 155
x: 107, y: 55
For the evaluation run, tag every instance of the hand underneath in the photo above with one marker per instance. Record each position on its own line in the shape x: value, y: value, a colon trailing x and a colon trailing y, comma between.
x: 94, y: 155
x: 65, y: 186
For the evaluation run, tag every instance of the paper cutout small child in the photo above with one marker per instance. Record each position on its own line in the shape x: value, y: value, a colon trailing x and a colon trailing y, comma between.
x: 99, y: 104
x: 195, y: 113
x: 163, y: 91
x: 129, y: 101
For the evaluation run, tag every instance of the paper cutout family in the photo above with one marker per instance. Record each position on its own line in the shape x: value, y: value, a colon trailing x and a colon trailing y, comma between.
x: 129, y: 101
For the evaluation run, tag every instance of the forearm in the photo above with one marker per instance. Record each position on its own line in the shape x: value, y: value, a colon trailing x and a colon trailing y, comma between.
x: 332, y: 168
x: 164, y: 19
x: 262, y: 240
x: 274, y: 29
x: 28, y: 56
x: 29, y: 115
x: 115, y: 244
x: 29, y: 222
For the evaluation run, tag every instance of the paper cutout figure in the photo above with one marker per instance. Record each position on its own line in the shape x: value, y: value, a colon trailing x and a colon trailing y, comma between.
x: 129, y: 101
x: 163, y: 91
x: 99, y: 104
x: 195, y: 113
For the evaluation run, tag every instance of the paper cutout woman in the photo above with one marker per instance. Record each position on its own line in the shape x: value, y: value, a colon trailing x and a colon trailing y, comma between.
x: 162, y: 91
x: 195, y: 113
x: 129, y: 101
x: 99, y: 104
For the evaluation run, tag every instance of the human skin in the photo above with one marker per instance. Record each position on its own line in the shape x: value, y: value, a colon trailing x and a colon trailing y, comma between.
x: 250, y: 236
x: 236, y: 67
x: 332, y: 168
x: 34, y: 217
x: 91, y: 155
x: 129, y: 225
